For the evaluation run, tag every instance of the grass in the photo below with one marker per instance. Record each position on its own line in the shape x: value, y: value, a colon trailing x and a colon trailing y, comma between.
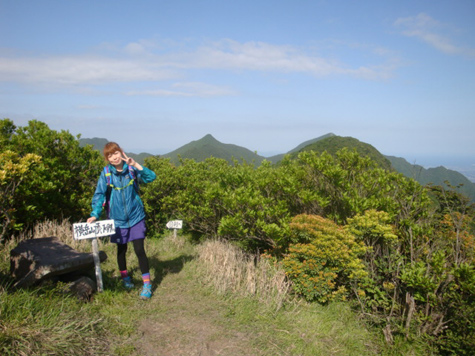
x: 208, y: 299
x: 258, y: 294
x: 44, y: 321
x: 229, y: 270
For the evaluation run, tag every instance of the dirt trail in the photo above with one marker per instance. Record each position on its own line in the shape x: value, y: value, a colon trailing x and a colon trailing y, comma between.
x: 187, y: 319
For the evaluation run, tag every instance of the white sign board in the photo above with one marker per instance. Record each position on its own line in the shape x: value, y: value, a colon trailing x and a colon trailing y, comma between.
x: 100, y: 228
x: 175, y: 224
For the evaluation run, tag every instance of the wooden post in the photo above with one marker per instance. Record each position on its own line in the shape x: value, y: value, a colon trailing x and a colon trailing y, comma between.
x: 93, y: 231
x: 97, y: 264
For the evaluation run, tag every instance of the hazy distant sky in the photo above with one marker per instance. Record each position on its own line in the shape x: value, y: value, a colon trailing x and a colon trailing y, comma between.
x: 267, y: 75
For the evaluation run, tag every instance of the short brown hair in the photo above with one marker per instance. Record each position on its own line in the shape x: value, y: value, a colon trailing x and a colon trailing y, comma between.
x: 110, y: 148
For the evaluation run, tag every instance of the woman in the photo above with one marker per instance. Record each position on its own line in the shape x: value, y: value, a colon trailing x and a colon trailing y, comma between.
x: 120, y: 178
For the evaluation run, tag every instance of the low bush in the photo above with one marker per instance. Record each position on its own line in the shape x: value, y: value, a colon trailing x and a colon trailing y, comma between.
x: 328, y: 260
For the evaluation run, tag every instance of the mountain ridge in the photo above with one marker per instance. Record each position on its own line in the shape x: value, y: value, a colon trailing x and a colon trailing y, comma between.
x: 437, y: 175
x: 209, y: 146
x: 332, y: 144
x: 277, y: 158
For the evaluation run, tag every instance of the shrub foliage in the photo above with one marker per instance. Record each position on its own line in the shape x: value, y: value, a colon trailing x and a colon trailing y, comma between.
x: 44, y: 174
x: 327, y: 261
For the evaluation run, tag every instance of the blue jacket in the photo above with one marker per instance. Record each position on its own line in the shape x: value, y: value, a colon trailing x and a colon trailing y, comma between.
x: 126, y: 207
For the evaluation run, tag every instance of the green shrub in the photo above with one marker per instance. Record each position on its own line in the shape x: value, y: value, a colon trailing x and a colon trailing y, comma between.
x: 458, y: 336
x: 59, y: 186
x: 382, y: 259
x: 14, y: 169
x: 327, y: 261
x: 214, y: 198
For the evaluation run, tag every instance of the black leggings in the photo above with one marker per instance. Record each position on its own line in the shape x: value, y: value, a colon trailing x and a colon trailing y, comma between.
x: 139, y: 251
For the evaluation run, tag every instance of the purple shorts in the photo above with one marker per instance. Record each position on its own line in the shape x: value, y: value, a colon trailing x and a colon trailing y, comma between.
x: 124, y: 235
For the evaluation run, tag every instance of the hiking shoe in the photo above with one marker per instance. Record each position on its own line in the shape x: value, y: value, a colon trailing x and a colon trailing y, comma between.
x: 146, y: 291
x: 127, y: 282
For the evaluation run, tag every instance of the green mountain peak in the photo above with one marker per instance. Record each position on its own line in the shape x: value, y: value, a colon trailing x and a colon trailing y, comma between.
x: 208, y: 146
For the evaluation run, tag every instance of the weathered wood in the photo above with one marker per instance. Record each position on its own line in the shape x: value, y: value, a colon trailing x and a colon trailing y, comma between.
x: 36, y: 259
x: 97, y: 264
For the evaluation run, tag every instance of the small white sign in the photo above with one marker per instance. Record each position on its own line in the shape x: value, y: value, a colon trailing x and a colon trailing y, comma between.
x: 100, y: 228
x: 175, y: 224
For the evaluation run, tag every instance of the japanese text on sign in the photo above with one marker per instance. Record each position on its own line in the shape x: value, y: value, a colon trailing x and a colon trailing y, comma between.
x: 175, y: 224
x: 90, y: 231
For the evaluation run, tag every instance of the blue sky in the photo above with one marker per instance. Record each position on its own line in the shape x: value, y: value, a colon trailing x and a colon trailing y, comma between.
x: 266, y: 75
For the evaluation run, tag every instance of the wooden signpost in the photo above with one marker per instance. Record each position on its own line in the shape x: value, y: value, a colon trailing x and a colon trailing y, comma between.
x: 83, y: 231
x: 175, y: 225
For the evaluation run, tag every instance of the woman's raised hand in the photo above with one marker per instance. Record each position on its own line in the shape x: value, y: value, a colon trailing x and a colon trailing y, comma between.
x: 131, y: 162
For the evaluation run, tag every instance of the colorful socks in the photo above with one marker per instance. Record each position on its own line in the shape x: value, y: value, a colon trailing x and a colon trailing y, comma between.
x: 126, y: 280
x: 146, y: 278
x: 147, y: 287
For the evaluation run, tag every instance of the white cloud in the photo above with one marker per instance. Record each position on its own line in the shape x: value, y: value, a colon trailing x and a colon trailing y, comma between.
x: 187, y: 90
x: 148, y: 61
x: 88, y: 107
x: 74, y: 70
x: 426, y: 29
x: 260, y: 56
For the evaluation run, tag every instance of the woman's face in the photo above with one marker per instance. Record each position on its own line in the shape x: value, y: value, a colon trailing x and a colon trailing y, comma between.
x: 115, y: 158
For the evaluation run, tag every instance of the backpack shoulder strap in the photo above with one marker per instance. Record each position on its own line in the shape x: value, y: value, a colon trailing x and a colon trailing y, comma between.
x: 107, y: 173
x: 106, y: 204
x: 133, y: 176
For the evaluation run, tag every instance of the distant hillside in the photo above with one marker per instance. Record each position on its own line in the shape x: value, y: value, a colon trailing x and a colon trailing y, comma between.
x: 96, y: 142
x: 99, y: 143
x: 277, y: 158
x: 208, y: 146
x: 436, y: 176
x: 309, y: 142
x: 332, y: 144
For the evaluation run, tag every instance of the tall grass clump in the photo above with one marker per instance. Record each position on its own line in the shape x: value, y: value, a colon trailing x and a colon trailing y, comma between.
x: 231, y: 270
x: 63, y: 230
